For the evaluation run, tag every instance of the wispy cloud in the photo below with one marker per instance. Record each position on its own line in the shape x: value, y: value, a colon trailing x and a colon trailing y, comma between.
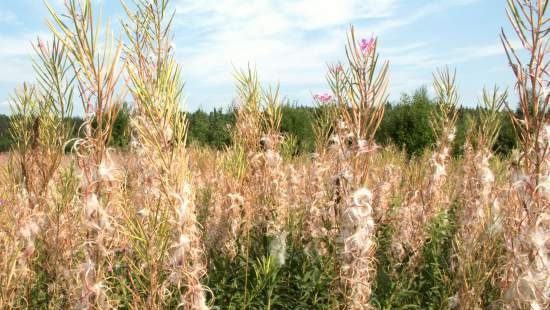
x: 417, y: 14
x: 290, y: 41
x: 15, y: 55
x: 8, y: 17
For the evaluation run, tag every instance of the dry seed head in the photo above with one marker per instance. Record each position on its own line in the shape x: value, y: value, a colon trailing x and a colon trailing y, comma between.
x: 95, y: 215
x: 107, y: 169
x: 277, y: 248
x: 362, y: 197
x: 451, y: 135
x: 168, y: 133
x: 29, y: 230
x: 144, y: 212
x: 236, y: 199
x: 357, y: 231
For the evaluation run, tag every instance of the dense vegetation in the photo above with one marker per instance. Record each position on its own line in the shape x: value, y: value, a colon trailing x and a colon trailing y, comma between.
x: 406, y: 124
x: 354, y: 204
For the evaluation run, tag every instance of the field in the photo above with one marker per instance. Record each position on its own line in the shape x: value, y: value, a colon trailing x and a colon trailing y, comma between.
x: 165, y: 224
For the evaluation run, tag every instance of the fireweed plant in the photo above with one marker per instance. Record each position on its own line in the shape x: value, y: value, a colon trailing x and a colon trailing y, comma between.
x: 360, y: 91
x: 527, y: 224
x: 355, y: 225
x: 165, y: 260
x: 478, y: 244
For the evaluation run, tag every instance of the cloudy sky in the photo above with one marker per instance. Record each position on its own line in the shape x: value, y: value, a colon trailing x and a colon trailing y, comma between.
x: 291, y: 41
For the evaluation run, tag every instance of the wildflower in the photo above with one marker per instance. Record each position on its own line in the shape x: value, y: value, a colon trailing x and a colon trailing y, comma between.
x: 367, y: 46
x: 323, y: 98
x: 42, y: 46
x: 336, y: 69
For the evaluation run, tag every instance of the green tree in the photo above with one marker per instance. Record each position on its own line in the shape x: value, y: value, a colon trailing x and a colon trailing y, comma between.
x: 407, y: 123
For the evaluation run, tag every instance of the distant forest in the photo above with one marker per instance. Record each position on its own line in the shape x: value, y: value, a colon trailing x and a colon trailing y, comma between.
x: 405, y: 124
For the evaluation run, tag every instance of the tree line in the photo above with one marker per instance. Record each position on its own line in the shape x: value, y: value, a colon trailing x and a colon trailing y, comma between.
x: 406, y: 124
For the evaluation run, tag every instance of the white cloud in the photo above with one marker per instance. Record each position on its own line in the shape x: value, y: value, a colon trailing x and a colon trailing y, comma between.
x: 15, y: 55
x: 291, y: 41
x: 288, y: 41
x: 274, y: 16
x: 16, y: 45
x: 417, y: 14
x: 7, y: 17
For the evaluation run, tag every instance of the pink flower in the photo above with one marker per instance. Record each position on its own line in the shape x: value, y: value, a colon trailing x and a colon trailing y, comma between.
x: 367, y: 46
x: 42, y: 46
x: 323, y: 98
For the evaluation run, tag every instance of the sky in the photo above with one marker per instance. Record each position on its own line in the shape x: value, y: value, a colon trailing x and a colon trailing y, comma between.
x: 290, y: 42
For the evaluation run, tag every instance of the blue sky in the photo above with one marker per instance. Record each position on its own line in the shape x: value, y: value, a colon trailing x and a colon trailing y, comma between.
x: 290, y: 42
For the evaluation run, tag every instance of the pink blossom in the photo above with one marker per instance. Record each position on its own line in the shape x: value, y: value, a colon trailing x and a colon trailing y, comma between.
x: 42, y: 46
x: 367, y: 46
x: 323, y: 98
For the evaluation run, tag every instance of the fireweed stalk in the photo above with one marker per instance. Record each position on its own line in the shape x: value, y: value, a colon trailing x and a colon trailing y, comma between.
x: 97, y: 74
x: 387, y: 176
x: 424, y: 203
x: 528, y: 214
x: 40, y: 131
x: 264, y: 174
x: 166, y: 240
x: 13, y: 278
x: 360, y: 91
x: 233, y: 216
x: 477, y: 245
x: 280, y: 231
x: 271, y: 175
x: 320, y: 218
x: 38, y: 126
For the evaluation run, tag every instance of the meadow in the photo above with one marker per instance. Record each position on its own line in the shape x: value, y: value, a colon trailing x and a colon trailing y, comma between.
x: 348, y: 223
